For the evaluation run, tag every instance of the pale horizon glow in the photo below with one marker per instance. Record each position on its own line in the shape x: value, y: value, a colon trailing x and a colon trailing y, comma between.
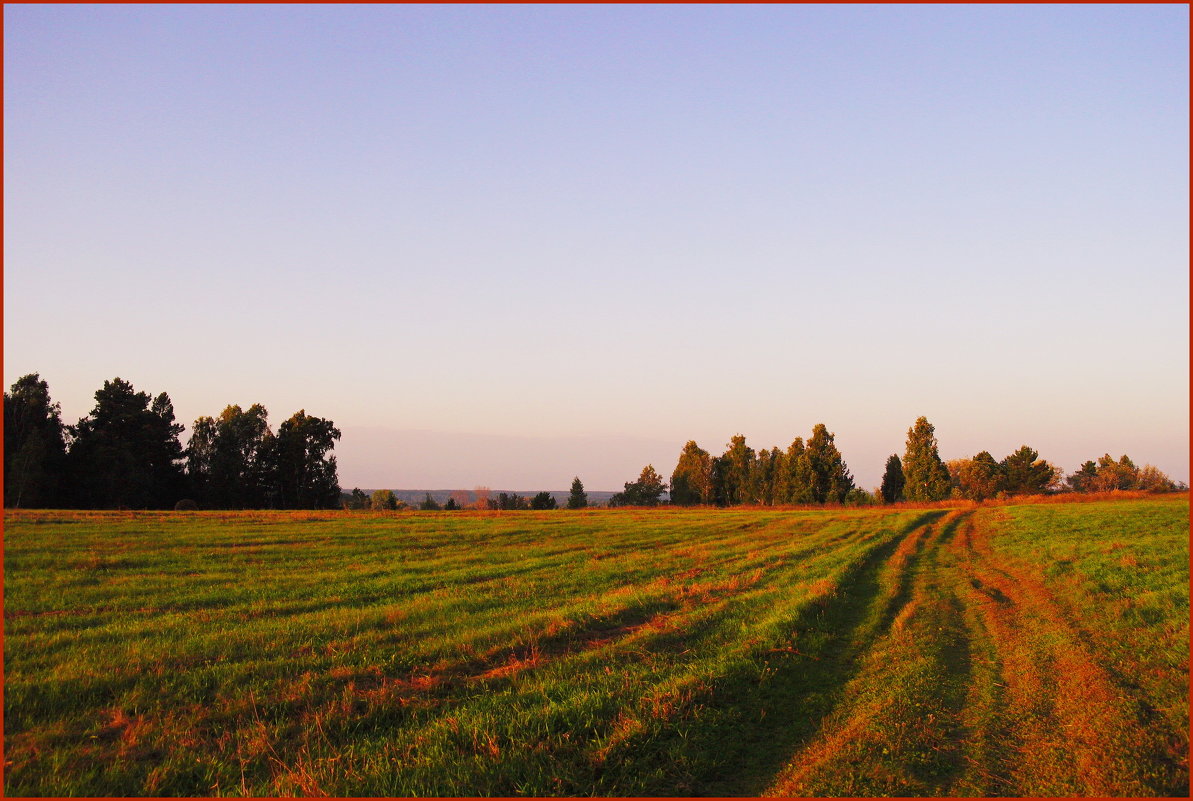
x: 507, y: 245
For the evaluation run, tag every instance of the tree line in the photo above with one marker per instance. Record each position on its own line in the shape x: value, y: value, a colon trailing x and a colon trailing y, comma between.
x: 127, y: 454
x: 921, y: 475
x: 812, y: 472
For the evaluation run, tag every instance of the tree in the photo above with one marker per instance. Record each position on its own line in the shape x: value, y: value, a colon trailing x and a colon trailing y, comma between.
x: 428, y: 504
x: 831, y: 479
x: 799, y: 479
x: 482, y: 498
x: 511, y: 501
x: 892, y: 480
x: 230, y: 459
x: 1112, y: 475
x: 760, y: 481
x: 306, y: 470
x: 358, y: 499
x: 776, y: 485
x: 383, y: 500
x: 1152, y: 479
x: 452, y: 505
x: 979, y: 478
x: 577, y: 498
x: 691, y: 482
x: 543, y: 500
x: 127, y: 453
x: 926, y: 477
x: 736, y: 470
x: 34, y: 444
x: 717, y: 480
x: 643, y: 492
x: 1024, y: 473
x: 1085, y: 478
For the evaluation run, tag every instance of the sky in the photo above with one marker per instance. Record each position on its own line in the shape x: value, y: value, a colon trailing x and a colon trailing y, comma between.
x: 509, y: 245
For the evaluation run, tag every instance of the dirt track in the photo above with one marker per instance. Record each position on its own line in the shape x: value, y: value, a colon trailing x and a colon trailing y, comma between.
x: 971, y: 677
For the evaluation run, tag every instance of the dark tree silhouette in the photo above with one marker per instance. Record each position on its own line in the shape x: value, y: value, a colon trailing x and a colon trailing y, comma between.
x: 306, y: 470
x: 34, y: 445
x: 892, y: 480
x: 543, y: 500
x: 643, y: 492
x: 577, y: 498
x: 126, y: 453
x: 1025, y: 473
x: 230, y: 459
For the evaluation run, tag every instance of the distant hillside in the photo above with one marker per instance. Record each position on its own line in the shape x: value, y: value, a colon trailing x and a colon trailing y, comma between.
x: 414, y: 497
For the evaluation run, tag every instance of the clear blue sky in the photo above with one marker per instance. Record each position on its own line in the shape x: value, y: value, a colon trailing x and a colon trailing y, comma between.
x: 584, y: 235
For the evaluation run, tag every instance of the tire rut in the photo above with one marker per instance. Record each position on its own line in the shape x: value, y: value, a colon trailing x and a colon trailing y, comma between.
x: 788, y: 709
x: 977, y: 681
x: 1070, y: 728
x: 863, y: 747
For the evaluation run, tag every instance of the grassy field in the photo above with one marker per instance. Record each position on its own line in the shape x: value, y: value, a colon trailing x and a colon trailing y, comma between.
x: 1005, y: 650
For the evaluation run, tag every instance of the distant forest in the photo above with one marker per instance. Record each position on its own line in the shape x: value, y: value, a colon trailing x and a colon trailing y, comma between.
x: 127, y: 454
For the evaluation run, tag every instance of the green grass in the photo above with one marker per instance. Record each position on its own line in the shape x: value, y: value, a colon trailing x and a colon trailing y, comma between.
x: 627, y: 652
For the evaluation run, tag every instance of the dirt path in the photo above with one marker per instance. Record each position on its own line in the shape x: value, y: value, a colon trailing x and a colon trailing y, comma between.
x: 977, y: 681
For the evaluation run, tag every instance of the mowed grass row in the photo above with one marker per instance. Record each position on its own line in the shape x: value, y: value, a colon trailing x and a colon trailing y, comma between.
x: 1042, y: 650
x: 609, y: 652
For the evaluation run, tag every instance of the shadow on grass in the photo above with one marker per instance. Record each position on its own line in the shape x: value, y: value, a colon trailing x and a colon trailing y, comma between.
x: 752, y: 727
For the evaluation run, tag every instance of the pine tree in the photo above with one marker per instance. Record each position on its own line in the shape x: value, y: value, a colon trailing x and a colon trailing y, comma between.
x: 1085, y: 477
x: 927, y: 479
x: 127, y: 453
x: 34, y: 445
x: 543, y: 500
x: 892, y: 480
x: 577, y: 498
x: 1024, y: 473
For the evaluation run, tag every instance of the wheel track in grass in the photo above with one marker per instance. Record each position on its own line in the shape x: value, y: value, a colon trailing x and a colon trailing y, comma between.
x: 771, y: 718
x: 1065, y: 708
x: 979, y: 682
x: 863, y: 745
